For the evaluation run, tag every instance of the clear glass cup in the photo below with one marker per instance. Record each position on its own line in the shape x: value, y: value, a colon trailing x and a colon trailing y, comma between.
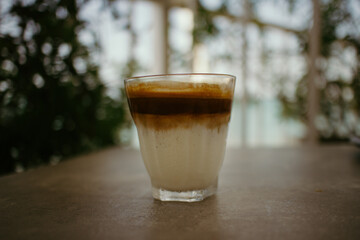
x: 182, y: 124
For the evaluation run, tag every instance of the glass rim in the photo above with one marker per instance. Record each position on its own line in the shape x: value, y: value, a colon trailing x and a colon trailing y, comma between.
x: 180, y: 74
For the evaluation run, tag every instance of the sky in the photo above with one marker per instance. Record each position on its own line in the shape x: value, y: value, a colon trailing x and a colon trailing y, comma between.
x: 115, y: 41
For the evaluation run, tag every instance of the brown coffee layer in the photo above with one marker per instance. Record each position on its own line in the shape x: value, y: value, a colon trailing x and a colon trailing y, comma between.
x: 170, y: 106
x: 165, y: 122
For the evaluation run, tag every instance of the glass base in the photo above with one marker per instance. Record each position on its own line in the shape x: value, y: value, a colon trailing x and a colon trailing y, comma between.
x: 186, y: 196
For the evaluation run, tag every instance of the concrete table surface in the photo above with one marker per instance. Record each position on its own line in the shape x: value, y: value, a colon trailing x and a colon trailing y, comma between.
x: 289, y: 193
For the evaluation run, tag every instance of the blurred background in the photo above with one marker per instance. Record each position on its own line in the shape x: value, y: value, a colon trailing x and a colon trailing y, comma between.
x: 62, y: 65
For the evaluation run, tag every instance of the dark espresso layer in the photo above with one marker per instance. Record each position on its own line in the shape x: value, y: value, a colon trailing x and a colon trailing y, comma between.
x: 170, y: 106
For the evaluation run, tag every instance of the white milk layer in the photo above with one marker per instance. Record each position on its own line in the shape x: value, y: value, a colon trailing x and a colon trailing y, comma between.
x: 183, y: 159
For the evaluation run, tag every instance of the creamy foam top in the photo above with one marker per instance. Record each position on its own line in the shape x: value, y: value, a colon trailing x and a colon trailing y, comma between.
x: 178, y: 90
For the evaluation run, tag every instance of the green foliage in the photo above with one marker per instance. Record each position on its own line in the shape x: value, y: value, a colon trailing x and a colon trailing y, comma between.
x: 52, y: 102
x: 204, y: 25
x: 339, y: 98
x: 333, y: 14
x: 295, y: 108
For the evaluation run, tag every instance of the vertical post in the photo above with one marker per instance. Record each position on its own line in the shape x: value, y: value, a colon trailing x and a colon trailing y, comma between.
x: 161, y: 38
x: 133, y: 35
x: 313, y: 91
x: 193, y: 5
x: 166, y: 36
x: 260, y: 76
x: 244, y: 98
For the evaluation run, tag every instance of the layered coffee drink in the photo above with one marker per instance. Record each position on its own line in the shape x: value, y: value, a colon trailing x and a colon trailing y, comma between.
x: 182, y: 126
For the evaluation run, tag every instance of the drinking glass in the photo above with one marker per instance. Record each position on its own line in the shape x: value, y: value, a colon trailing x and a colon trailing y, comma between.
x: 182, y: 124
